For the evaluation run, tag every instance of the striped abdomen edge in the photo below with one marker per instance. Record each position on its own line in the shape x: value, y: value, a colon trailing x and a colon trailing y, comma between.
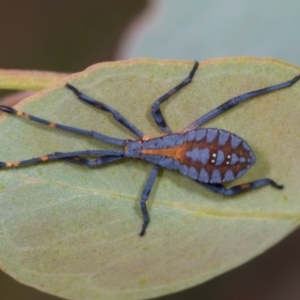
x: 205, y: 154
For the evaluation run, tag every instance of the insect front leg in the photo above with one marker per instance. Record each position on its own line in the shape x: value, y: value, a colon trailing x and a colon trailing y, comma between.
x: 241, y: 188
x: 144, y: 198
x: 117, y: 116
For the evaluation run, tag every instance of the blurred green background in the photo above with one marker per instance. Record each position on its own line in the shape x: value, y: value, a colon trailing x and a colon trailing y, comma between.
x: 68, y: 36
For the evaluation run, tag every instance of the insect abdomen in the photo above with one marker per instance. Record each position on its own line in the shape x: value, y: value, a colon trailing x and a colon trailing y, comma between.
x: 207, y: 154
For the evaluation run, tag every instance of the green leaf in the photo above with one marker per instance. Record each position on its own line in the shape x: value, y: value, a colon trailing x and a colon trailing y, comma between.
x: 73, y: 231
x: 27, y: 79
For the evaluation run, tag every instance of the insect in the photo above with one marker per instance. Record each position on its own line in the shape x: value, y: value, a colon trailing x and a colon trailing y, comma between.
x: 209, y: 156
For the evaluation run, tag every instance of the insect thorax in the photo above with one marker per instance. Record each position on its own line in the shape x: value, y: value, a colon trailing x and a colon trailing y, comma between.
x: 205, y: 154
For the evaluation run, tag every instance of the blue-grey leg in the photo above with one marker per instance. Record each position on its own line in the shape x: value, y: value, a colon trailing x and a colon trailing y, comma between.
x: 155, y: 110
x: 237, y: 100
x: 144, y: 198
x: 117, y: 116
x: 241, y: 188
x: 93, y: 134
x: 102, y: 157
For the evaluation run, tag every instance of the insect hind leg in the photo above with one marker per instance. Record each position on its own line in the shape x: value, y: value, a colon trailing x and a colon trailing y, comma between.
x: 241, y: 188
x: 237, y: 100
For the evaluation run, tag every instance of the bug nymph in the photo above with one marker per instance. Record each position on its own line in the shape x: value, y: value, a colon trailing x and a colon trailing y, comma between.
x: 209, y: 156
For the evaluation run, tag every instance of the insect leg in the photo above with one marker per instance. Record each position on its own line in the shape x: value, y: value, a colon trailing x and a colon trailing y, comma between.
x: 237, y: 100
x: 155, y: 110
x: 102, y: 157
x: 117, y: 116
x: 144, y: 198
x: 95, y: 135
x: 237, y: 189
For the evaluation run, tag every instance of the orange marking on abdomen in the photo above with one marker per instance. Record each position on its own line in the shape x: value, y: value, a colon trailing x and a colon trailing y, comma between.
x: 177, y: 152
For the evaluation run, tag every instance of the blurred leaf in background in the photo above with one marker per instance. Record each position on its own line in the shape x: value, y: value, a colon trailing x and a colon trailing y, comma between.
x: 193, y: 29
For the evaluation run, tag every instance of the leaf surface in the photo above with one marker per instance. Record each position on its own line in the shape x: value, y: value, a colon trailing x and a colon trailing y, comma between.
x: 28, y: 80
x: 72, y: 231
